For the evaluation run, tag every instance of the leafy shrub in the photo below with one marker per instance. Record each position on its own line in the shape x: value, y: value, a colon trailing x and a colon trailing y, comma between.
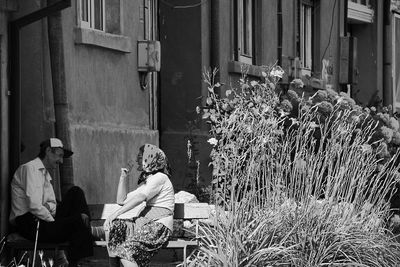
x: 305, y: 187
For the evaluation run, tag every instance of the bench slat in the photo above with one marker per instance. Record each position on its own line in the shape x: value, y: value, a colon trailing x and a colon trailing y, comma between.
x: 182, y: 211
x: 98, y: 212
x: 171, y: 243
x: 181, y: 243
x: 192, y: 211
x: 28, y: 245
x: 102, y: 211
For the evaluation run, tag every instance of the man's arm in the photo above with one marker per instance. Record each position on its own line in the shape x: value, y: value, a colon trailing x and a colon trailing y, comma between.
x: 34, y: 193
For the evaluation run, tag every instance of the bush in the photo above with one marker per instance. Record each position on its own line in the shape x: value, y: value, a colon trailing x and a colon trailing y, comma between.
x: 304, y: 190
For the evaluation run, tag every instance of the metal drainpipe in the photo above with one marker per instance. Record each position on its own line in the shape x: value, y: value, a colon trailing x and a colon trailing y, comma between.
x: 280, y: 35
x: 215, y: 40
x: 56, y: 47
x: 387, y: 55
x: 15, y: 98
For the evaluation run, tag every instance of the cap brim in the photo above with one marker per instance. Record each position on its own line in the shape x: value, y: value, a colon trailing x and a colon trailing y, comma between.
x: 67, y: 153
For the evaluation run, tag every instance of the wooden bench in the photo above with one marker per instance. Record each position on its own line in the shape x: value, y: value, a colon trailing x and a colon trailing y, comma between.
x: 99, y: 212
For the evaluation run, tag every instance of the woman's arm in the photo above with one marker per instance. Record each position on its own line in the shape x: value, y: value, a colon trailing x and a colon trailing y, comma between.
x: 122, y: 186
x: 136, y: 199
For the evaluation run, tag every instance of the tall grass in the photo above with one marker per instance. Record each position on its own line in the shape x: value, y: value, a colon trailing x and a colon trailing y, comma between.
x: 311, y: 193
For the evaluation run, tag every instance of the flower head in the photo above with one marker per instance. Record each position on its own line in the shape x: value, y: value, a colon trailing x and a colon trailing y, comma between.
x: 332, y: 95
x: 319, y: 96
x: 286, y: 106
x: 277, y: 72
x: 253, y: 83
x: 324, y: 108
x: 396, y: 138
x: 387, y: 133
x: 394, y: 124
x: 297, y: 83
x: 213, y: 141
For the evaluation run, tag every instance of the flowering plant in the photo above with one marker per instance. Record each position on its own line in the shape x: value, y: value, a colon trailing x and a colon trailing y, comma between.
x: 297, y: 180
x: 386, y: 138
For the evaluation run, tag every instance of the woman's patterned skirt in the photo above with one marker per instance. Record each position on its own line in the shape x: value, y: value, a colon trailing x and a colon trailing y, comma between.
x: 137, y: 239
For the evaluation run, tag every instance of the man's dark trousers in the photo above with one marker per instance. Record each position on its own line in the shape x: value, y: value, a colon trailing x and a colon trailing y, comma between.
x: 68, y: 225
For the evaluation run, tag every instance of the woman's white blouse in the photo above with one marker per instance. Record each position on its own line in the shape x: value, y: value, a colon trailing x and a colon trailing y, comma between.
x: 158, y: 190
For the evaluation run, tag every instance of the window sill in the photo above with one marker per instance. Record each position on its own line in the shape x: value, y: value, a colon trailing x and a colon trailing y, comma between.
x: 239, y: 67
x: 102, y: 39
x: 358, y: 13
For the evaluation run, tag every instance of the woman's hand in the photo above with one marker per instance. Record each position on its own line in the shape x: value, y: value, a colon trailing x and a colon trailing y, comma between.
x: 108, y: 223
x: 124, y: 172
x: 127, y: 170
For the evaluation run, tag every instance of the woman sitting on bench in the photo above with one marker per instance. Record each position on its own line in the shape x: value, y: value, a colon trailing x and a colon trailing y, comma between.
x: 134, y: 241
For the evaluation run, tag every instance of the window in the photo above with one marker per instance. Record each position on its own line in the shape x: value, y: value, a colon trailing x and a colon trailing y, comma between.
x: 99, y: 24
x: 396, y: 60
x: 92, y: 14
x: 305, y: 34
x: 245, y: 31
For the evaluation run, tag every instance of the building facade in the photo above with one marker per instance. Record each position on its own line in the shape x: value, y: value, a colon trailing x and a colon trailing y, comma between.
x: 116, y: 95
x: 348, y: 46
x: 79, y: 80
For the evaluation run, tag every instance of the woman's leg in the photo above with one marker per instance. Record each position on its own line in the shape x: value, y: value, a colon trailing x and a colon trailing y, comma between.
x: 126, y: 263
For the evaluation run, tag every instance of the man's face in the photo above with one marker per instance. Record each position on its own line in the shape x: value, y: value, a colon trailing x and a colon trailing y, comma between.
x: 54, y: 156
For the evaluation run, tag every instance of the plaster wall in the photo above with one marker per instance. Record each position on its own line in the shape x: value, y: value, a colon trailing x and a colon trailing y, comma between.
x: 108, y: 111
x: 269, y: 32
x: 288, y: 28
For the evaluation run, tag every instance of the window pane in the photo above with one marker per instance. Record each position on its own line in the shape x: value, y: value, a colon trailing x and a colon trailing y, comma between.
x: 306, y: 36
x: 85, y: 10
x: 98, y: 14
x: 397, y: 57
x: 247, y: 28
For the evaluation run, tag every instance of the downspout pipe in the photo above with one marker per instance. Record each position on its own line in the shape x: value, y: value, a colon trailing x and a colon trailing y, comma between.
x: 215, y: 40
x: 280, y: 31
x: 387, y: 82
x: 56, y: 47
x: 15, y: 98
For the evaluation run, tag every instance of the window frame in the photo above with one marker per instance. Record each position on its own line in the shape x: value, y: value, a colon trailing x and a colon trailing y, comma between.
x: 90, y: 23
x: 245, y: 44
x: 305, y: 28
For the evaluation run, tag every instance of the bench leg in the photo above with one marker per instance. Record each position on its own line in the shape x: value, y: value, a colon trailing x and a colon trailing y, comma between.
x: 184, y: 256
x: 12, y: 252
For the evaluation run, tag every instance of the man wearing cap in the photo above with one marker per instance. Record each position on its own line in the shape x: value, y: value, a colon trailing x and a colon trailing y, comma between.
x: 33, y: 199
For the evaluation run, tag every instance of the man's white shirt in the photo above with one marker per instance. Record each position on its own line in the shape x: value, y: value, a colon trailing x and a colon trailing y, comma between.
x: 31, y: 191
